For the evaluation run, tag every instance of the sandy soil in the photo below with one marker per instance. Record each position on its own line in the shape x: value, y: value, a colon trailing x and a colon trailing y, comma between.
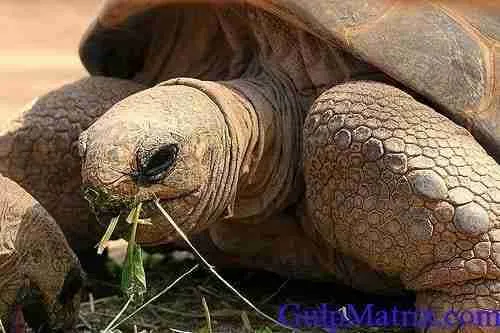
x: 39, y: 47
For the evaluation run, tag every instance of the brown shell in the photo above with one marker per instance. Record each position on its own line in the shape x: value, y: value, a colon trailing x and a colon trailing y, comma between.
x: 447, y: 51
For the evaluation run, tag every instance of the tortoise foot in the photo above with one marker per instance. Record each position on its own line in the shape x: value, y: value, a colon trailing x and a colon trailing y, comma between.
x: 471, y: 307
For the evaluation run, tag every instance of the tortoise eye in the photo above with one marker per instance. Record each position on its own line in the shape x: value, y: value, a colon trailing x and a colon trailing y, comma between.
x: 159, y: 163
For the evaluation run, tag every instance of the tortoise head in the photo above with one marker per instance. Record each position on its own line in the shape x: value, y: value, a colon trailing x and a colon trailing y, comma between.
x: 41, y: 277
x: 171, y: 143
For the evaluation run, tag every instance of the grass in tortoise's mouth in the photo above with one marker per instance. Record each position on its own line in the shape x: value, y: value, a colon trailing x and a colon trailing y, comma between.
x: 105, y: 205
x: 102, y: 202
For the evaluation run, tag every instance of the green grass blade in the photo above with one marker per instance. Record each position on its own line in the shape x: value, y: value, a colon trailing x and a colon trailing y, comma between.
x: 134, y: 214
x: 207, y: 314
x: 154, y: 298
x: 139, y: 274
x: 107, y: 235
x: 133, y: 279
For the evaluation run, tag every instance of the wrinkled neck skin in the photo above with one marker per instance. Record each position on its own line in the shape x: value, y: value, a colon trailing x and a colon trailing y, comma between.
x: 274, y: 70
x: 261, y: 152
x: 269, y: 178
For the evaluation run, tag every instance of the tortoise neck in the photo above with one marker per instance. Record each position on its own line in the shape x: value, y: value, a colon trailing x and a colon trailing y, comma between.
x: 268, y: 179
x: 256, y: 171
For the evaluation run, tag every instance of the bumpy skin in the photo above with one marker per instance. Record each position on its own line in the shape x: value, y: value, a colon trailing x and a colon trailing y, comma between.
x: 233, y: 161
x: 390, y: 183
x: 283, y: 247
x: 38, y: 149
x: 250, y: 167
x: 279, y: 247
x: 118, y: 147
x: 402, y: 188
x: 37, y: 267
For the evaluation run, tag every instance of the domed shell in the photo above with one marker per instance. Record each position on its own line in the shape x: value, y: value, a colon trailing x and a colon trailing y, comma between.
x: 447, y: 51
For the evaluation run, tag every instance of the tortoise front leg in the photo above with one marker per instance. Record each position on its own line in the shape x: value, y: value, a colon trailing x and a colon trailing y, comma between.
x: 276, y: 244
x: 37, y: 150
x: 465, y: 307
x: 391, y: 182
x: 279, y: 244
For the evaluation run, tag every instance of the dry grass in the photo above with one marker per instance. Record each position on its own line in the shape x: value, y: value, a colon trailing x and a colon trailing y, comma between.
x: 182, y: 307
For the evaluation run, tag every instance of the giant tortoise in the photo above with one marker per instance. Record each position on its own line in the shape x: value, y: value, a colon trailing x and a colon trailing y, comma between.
x: 40, y: 276
x: 358, y: 138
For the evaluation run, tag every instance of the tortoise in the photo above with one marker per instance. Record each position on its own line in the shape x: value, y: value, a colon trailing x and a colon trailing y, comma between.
x: 41, y: 277
x: 354, y: 138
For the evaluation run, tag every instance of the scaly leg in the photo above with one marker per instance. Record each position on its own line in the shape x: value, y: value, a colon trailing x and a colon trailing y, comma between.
x: 279, y: 244
x: 393, y: 183
x: 38, y: 151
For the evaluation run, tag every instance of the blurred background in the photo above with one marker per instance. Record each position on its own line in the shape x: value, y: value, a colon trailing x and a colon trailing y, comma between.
x: 39, y: 47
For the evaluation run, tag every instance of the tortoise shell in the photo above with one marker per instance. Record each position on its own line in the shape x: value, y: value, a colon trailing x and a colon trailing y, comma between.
x: 448, y: 52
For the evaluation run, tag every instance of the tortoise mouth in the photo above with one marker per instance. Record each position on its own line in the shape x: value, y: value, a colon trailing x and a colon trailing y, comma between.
x: 106, y: 206
x: 30, y: 312
x: 17, y: 323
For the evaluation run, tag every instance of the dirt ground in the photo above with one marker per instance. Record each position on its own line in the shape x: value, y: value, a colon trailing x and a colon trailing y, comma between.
x: 39, y: 47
